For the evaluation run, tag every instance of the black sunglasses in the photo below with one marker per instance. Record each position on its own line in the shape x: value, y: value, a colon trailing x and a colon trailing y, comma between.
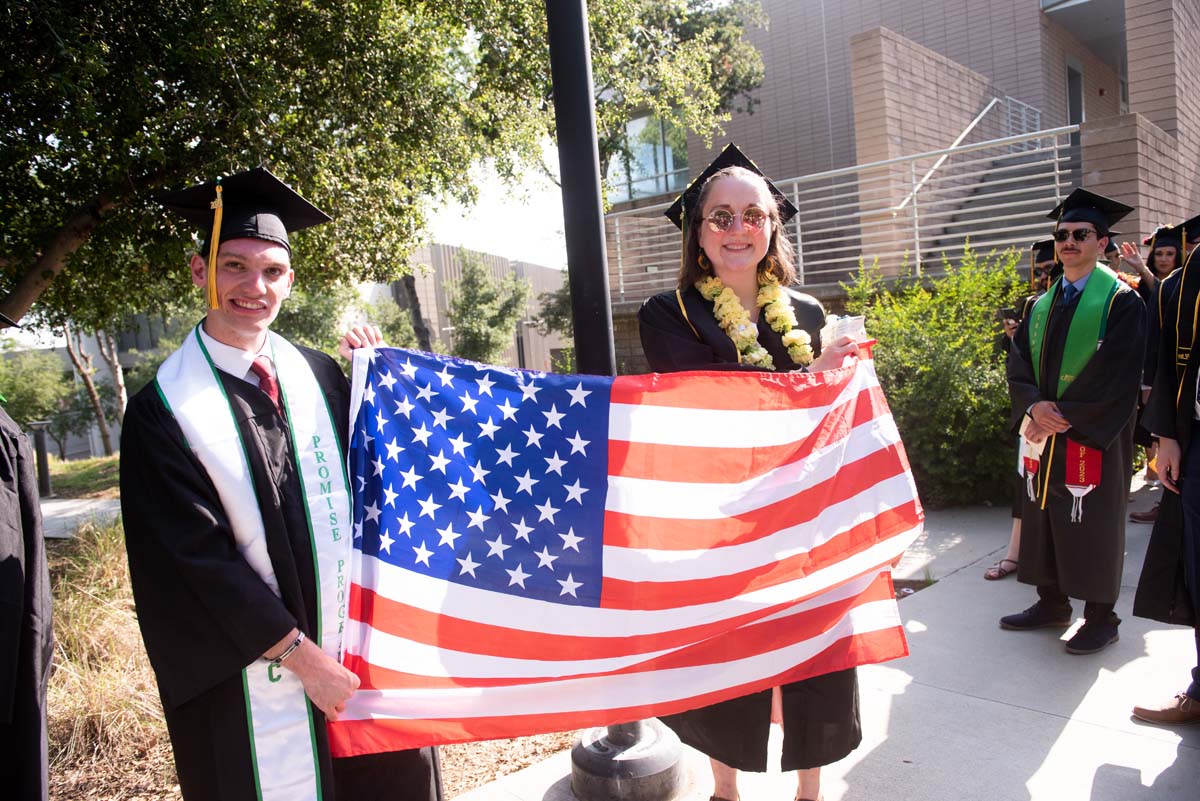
x: 1079, y: 235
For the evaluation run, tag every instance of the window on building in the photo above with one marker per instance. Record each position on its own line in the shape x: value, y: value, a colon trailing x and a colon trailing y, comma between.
x: 655, y: 165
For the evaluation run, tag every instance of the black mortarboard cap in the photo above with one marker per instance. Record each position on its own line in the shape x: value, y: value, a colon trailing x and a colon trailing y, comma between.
x: 1043, y: 250
x: 1084, y: 206
x: 257, y: 205
x: 247, y: 205
x: 1166, y: 236
x: 729, y: 157
x: 1191, y: 227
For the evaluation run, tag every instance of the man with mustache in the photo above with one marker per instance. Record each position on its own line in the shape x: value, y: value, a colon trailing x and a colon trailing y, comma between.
x: 1074, y: 371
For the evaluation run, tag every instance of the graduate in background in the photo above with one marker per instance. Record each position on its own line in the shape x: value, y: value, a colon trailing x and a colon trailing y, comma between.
x: 237, y: 524
x: 1073, y: 374
x: 1169, y: 586
x: 1165, y: 256
x: 1043, y: 268
x: 26, y: 638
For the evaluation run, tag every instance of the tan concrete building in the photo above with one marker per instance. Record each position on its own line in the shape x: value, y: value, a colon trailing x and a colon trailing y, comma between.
x: 438, y: 267
x: 1014, y: 101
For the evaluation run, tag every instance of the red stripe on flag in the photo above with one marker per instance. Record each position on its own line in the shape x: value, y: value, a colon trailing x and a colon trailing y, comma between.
x: 671, y: 534
x: 455, y: 634
x: 731, y: 391
x: 357, y: 737
x: 750, y: 640
x: 686, y: 463
x: 619, y: 594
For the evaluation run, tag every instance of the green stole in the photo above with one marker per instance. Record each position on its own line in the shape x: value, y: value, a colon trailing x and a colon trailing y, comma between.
x: 1087, y: 326
x: 283, y: 746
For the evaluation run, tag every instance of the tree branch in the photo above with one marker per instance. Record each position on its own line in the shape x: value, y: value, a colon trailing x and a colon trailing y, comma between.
x: 68, y: 239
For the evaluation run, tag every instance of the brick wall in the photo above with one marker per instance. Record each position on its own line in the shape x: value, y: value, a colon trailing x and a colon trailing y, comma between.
x: 907, y: 99
x: 1058, y: 47
x: 1149, y: 158
x: 1164, y: 62
x: 1153, y: 61
x: 806, y: 121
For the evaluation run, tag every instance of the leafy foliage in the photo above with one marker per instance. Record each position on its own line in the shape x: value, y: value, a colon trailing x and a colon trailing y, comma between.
x: 556, y: 314
x: 484, y: 311
x: 370, y: 107
x: 76, y: 415
x: 939, y: 362
x: 316, y: 319
x: 394, y: 322
x: 35, y: 384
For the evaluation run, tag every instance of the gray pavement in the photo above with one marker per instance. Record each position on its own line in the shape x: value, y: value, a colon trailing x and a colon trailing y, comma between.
x: 61, y: 517
x: 976, y: 712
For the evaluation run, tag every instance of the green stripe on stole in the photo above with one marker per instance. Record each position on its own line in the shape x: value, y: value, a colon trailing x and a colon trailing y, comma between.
x: 1087, y: 329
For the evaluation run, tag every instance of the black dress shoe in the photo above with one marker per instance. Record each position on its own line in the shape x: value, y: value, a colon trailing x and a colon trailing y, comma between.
x: 1092, y: 638
x: 1038, y: 616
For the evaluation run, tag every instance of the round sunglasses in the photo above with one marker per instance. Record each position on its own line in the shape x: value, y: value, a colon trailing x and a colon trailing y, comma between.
x: 721, y: 221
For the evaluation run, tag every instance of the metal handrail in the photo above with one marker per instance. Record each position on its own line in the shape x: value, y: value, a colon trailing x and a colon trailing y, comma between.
x: 942, y: 159
x: 995, y: 192
x: 874, y: 165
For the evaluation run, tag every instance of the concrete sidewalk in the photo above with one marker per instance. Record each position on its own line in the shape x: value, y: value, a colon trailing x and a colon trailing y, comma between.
x: 62, y: 516
x: 977, y: 712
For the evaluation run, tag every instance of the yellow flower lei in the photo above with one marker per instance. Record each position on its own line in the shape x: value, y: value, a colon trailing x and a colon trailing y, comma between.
x: 777, y: 310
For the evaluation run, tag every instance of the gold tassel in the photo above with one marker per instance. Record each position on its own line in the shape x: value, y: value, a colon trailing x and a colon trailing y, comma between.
x: 214, y: 241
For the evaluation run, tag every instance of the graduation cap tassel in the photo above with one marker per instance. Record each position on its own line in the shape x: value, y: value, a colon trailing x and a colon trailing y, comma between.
x: 214, y: 241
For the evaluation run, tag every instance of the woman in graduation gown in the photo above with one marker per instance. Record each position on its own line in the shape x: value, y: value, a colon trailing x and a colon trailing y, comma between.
x: 732, y: 220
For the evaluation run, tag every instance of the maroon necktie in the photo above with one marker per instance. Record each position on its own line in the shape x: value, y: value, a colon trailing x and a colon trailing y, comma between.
x: 266, y: 380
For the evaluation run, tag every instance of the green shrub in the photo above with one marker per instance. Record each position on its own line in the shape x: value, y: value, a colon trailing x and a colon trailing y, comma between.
x: 939, y: 363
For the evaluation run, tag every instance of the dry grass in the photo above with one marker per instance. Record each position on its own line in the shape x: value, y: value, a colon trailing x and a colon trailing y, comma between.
x: 107, y: 736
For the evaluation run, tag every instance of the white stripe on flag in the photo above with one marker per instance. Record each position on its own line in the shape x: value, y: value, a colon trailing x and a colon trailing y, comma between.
x: 646, y: 564
x: 644, y: 497
x: 604, y: 692
x: 408, y: 656
x: 499, y: 609
x: 725, y: 428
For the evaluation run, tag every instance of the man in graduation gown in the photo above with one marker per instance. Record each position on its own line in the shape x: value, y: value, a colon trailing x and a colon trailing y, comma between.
x: 26, y: 642
x: 1074, y: 373
x: 1169, y: 586
x: 237, y: 523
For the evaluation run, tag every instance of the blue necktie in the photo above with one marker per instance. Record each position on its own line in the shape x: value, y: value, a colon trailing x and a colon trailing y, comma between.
x: 1070, y: 292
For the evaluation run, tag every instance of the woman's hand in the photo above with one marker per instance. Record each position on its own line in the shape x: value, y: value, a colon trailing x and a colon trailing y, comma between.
x: 836, y: 354
x: 362, y: 336
x: 1129, y: 252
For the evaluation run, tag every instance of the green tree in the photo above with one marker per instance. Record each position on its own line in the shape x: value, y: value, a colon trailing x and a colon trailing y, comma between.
x: 316, y: 319
x: 555, y: 314
x: 35, y: 384
x: 940, y: 363
x: 371, y: 108
x: 394, y: 322
x: 76, y: 414
x: 484, y: 312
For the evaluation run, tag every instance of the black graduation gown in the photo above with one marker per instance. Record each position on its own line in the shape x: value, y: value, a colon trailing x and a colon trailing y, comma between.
x: 820, y: 715
x: 26, y: 641
x: 205, y: 613
x: 1162, y: 592
x: 1084, y: 559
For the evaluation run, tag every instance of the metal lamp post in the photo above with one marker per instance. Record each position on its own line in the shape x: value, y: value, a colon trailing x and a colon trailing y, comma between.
x: 639, y: 761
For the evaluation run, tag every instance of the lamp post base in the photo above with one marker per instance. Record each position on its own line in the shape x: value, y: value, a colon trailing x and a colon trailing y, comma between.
x: 640, y: 761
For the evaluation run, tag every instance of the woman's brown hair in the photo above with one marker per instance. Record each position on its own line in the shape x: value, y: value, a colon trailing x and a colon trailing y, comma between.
x: 778, y: 258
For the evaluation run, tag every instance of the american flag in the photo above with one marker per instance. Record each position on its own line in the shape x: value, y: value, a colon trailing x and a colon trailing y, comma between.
x: 539, y: 552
